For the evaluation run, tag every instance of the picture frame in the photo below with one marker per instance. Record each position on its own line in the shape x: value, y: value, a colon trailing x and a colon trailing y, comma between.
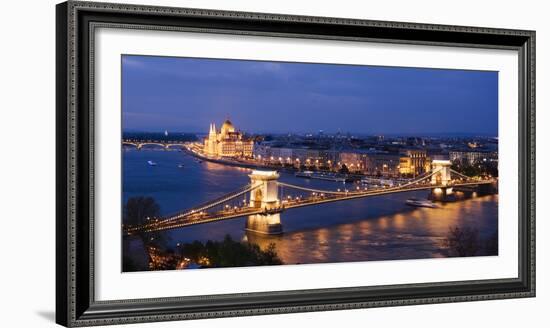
x: 77, y: 22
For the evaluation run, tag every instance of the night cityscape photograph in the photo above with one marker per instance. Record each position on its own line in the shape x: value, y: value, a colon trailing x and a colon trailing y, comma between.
x: 237, y: 163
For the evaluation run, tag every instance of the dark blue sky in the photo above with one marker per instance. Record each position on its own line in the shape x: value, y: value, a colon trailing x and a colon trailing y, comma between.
x: 186, y: 94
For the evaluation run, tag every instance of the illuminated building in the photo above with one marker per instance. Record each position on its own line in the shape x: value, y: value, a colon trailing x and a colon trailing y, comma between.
x: 354, y: 161
x: 471, y: 157
x: 228, y: 142
x: 414, y: 162
x: 386, y: 165
x: 371, y: 163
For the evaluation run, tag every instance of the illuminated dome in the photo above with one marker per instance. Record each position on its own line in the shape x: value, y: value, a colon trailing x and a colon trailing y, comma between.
x: 227, y: 127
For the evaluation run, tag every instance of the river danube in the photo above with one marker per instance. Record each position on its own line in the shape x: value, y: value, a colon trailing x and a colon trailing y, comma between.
x: 377, y: 228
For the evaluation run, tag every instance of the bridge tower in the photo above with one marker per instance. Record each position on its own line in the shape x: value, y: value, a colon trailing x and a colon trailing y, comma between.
x: 444, y: 175
x: 442, y: 178
x: 264, y: 196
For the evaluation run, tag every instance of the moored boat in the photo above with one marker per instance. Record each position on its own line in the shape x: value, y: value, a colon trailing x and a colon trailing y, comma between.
x: 304, y: 174
x: 323, y: 176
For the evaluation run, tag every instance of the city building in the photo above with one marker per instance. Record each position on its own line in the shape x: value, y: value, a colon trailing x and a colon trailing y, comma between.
x: 382, y: 164
x: 228, y: 142
x: 407, y: 162
x: 471, y: 157
x: 371, y: 162
x: 414, y: 162
x: 354, y: 161
x: 307, y: 157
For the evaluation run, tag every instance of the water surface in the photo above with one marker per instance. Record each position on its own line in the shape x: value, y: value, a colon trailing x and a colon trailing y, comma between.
x: 376, y: 228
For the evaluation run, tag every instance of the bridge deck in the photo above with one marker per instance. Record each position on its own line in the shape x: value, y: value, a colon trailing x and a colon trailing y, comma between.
x: 179, y: 221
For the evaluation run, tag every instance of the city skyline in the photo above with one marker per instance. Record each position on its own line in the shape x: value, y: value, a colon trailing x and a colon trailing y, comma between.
x: 251, y: 181
x: 187, y: 94
x: 435, y: 135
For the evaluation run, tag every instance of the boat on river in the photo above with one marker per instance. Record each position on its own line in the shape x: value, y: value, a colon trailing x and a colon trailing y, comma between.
x: 323, y: 176
x: 420, y: 203
x: 304, y: 174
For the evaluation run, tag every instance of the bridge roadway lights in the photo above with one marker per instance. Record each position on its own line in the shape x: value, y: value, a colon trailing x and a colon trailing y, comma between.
x: 265, y: 195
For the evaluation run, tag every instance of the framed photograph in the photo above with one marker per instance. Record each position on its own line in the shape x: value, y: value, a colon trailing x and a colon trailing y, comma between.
x: 214, y: 163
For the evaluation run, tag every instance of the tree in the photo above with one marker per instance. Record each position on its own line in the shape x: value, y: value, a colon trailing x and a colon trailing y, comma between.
x: 324, y: 167
x: 477, y: 168
x: 128, y: 264
x: 229, y: 253
x: 463, y: 241
x: 269, y: 256
x: 344, y: 169
x: 138, y: 209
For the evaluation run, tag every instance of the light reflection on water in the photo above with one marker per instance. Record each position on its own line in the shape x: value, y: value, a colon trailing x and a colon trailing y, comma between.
x: 377, y: 228
x: 417, y: 234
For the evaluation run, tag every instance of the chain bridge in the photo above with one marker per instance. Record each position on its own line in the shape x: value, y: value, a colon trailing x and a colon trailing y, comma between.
x: 264, y: 198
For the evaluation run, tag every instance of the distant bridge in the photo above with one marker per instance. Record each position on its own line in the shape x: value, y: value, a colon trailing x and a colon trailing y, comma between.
x: 139, y: 143
x: 267, y: 200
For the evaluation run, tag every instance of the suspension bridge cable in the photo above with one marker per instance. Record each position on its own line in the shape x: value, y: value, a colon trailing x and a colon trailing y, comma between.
x: 426, y: 176
x: 213, y: 203
x: 460, y: 174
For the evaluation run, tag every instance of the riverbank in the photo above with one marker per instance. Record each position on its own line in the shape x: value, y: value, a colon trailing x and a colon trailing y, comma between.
x: 249, y: 165
x: 241, y: 164
x: 376, y: 228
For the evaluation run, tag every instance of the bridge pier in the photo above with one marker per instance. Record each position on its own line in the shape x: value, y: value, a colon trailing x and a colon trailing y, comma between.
x: 449, y: 194
x: 265, y: 196
x: 441, y: 178
x: 444, y: 194
x: 269, y: 224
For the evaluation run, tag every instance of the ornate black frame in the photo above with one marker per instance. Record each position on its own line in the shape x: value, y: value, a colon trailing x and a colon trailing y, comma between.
x: 75, y: 303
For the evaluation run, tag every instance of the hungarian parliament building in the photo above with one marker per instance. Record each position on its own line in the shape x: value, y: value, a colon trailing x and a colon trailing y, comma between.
x: 228, y: 142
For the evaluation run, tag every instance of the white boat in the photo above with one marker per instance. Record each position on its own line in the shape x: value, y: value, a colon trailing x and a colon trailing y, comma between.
x: 420, y: 203
x: 321, y: 176
x: 180, y: 165
x: 304, y: 174
x: 151, y: 163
